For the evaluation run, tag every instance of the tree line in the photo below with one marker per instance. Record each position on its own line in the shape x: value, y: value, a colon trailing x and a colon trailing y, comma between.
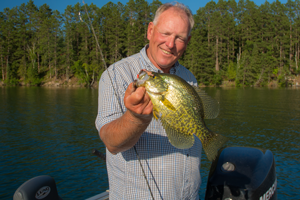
x: 231, y: 41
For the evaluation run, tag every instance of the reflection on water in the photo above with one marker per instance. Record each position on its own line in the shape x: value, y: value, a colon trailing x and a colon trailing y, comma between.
x: 51, y: 131
x: 264, y: 118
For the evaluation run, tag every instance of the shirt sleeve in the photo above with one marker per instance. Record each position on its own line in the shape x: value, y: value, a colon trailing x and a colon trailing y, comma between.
x: 112, y: 87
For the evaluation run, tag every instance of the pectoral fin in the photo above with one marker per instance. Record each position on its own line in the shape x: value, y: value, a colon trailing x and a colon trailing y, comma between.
x: 178, y: 139
x: 156, y: 114
x: 168, y: 104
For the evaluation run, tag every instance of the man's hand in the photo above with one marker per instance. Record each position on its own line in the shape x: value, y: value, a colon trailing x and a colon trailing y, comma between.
x: 138, y: 102
x: 123, y: 133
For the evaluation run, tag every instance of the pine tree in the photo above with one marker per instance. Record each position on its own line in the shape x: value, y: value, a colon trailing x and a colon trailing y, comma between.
x: 69, y: 32
x: 2, y: 42
x: 20, y: 55
x: 42, y: 14
x: 8, y: 30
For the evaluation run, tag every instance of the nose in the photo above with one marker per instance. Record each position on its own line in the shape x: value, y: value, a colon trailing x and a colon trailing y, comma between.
x: 170, y: 43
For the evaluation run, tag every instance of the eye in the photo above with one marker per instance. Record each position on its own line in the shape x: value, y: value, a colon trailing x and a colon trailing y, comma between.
x: 181, y: 39
x: 165, y: 34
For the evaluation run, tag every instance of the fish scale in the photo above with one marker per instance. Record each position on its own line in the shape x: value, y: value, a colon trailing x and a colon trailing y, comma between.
x: 182, y: 109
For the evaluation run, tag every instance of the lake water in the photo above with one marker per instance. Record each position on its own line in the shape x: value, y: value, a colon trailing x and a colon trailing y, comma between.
x: 51, y: 131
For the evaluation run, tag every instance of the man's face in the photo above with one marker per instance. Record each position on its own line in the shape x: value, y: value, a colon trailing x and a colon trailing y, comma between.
x: 168, y: 38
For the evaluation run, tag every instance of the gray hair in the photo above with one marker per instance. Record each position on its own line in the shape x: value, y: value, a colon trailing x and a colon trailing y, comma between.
x: 178, y: 5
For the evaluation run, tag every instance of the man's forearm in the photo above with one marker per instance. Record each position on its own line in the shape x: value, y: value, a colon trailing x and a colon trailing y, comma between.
x: 124, y: 132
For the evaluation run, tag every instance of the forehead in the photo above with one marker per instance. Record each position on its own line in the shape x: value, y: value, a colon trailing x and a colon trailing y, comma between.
x: 173, y: 17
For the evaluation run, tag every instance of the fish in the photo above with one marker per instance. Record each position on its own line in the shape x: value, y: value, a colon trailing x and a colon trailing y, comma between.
x: 182, y: 108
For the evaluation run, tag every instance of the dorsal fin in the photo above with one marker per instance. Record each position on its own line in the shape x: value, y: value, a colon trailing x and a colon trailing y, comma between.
x: 211, y: 107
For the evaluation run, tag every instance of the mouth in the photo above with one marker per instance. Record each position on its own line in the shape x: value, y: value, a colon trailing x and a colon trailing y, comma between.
x: 166, y: 52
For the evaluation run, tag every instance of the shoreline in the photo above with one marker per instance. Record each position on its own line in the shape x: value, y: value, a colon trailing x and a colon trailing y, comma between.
x: 73, y: 82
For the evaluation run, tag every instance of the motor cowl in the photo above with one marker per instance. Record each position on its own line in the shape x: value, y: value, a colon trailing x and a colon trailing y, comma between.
x: 241, y: 173
x: 40, y: 187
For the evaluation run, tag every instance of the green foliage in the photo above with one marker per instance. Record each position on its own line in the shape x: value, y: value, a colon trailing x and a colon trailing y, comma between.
x: 238, y: 83
x: 80, y: 70
x: 281, y: 81
x: 217, y: 78
x: 33, y: 76
x: 231, y: 71
x: 11, y: 82
x: 240, y: 41
x: 275, y: 71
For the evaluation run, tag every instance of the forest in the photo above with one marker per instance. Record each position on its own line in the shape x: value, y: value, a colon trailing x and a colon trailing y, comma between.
x: 236, y: 43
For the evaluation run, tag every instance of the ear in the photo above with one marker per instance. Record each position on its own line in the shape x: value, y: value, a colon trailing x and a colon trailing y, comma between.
x: 150, y: 30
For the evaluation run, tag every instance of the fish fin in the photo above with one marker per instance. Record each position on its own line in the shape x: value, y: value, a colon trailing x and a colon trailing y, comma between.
x: 211, y: 107
x: 156, y: 114
x: 212, y: 144
x: 168, y: 104
x: 178, y: 139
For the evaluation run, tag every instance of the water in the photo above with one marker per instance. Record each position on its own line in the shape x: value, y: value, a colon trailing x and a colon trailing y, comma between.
x: 51, y: 131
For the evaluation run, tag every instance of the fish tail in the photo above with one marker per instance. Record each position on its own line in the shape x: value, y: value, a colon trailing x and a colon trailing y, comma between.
x: 212, y: 144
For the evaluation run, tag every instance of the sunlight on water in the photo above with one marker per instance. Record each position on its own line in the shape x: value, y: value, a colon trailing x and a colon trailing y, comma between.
x: 51, y: 131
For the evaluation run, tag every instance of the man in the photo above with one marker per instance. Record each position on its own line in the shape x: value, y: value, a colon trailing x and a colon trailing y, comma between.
x: 125, y: 122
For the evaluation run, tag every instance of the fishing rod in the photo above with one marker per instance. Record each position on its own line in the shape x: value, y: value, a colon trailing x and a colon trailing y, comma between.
x: 115, y: 92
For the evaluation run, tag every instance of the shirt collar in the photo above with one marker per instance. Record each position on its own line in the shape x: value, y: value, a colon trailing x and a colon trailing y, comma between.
x: 149, y: 65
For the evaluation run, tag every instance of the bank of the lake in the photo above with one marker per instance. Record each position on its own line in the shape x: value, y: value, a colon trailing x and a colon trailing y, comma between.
x: 75, y: 82
x: 50, y: 130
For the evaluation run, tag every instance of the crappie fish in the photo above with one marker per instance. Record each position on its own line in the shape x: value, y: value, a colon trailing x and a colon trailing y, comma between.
x: 182, y: 108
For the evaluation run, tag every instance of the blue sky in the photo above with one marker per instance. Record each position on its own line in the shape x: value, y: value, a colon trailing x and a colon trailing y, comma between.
x: 60, y: 5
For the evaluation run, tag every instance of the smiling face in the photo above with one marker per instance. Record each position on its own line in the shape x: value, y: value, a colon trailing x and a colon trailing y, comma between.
x: 168, y: 38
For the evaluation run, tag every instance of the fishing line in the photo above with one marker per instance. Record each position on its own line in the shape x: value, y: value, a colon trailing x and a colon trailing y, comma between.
x: 119, y: 101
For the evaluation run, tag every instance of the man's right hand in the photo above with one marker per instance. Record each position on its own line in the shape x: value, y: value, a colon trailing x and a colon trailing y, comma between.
x: 138, y: 103
x: 123, y: 133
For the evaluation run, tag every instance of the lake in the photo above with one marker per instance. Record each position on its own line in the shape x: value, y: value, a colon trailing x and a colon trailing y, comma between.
x: 51, y: 131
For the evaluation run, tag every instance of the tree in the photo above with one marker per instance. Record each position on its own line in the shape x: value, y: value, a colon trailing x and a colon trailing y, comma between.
x: 8, y: 32
x: 257, y: 44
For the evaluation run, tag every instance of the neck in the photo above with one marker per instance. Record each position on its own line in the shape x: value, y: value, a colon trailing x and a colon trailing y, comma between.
x: 165, y: 70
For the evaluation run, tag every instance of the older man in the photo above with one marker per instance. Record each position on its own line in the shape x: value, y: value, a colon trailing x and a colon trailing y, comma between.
x: 136, y: 143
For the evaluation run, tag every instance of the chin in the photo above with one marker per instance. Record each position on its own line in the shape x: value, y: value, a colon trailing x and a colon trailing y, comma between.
x: 166, y: 63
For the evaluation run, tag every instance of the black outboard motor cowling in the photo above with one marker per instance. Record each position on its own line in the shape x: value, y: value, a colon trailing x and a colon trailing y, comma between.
x: 241, y: 173
x: 40, y: 187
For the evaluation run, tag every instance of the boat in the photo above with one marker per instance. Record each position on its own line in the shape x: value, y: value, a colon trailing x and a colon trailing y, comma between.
x: 238, y: 173
x: 102, y: 196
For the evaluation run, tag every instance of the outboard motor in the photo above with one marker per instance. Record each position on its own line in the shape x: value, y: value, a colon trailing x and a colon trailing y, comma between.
x: 241, y: 173
x: 40, y: 187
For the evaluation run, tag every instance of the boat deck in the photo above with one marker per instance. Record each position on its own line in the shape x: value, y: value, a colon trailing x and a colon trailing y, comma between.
x: 102, y: 196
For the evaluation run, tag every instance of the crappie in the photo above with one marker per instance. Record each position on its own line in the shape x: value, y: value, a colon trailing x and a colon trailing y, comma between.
x: 181, y: 108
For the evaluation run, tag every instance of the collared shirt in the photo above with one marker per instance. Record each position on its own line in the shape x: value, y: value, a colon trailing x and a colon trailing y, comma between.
x: 172, y: 173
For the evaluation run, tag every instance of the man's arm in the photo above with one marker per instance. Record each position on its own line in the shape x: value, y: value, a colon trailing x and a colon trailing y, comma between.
x: 123, y: 133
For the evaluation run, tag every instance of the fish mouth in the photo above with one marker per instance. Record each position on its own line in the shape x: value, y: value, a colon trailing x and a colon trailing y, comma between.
x: 142, y: 77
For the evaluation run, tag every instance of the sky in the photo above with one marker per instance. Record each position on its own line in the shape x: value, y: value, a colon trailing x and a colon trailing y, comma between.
x: 61, y: 5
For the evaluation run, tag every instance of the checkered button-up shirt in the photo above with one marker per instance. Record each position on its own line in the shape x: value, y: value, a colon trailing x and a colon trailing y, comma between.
x: 172, y: 173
